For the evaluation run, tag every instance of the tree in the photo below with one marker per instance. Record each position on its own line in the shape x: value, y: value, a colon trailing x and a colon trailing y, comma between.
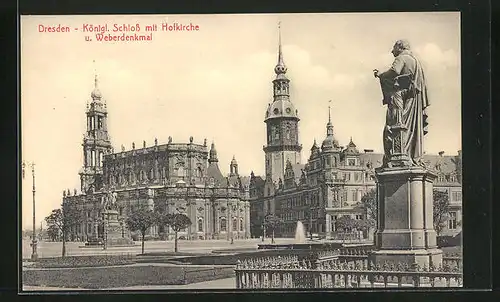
x: 271, y: 222
x: 177, y: 222
x: 141, y: 220
x: 369, y: 203
x: 346, y: 224
x: 441, y: 207
x: 63, y: 220
x: 53, y: 232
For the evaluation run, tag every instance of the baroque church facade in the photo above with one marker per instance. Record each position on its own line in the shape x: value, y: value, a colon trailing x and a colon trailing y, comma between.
x: 332, y: 181
x: 173, y: 177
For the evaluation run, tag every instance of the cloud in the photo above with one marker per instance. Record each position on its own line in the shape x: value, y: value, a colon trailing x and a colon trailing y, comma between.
x: 433, y: 55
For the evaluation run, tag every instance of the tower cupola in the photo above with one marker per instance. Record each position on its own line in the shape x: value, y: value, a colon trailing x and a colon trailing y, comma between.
x: 329, y: 143
x: 213, y: 154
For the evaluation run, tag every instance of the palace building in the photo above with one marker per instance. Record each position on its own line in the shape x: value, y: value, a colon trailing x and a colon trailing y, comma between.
x: 172, y: 177
x: 334, y: 179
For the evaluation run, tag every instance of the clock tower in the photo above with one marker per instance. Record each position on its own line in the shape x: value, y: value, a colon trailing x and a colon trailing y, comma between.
x: 282, y: 123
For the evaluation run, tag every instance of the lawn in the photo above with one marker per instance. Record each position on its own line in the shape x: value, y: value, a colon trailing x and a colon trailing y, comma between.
x: 125, y: 276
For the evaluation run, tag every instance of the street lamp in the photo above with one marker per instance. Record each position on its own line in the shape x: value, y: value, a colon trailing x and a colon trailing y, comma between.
x: 105, y: 227
x: 34, y: 254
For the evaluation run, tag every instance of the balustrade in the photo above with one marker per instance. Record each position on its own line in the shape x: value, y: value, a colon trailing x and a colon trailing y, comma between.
x: 328, y: 272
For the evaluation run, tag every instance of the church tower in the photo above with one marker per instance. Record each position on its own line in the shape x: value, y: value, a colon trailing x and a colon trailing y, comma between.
x: 282, y: 125
x: 96, y: 142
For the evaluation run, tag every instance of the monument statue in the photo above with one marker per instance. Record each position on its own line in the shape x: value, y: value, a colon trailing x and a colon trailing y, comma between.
x: 405, y: 229
x: 404, y: 92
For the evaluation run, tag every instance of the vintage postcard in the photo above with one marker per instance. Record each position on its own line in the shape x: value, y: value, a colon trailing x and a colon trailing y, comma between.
x: 244, y: 151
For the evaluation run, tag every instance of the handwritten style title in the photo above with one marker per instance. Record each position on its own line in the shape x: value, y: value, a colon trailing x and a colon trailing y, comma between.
x: 119, y: 32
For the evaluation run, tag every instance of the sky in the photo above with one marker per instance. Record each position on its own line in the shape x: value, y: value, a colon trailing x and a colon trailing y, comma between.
x: 216, y: 82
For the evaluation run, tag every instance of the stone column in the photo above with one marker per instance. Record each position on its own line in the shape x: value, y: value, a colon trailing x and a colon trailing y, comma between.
x: 405, y: 230
x: 151, y: 206
x: 247, y: 218
x: 328, y: 223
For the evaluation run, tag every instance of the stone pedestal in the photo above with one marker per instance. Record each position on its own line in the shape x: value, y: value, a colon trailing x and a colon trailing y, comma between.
x: 113, y: 230
x: 406, y: 232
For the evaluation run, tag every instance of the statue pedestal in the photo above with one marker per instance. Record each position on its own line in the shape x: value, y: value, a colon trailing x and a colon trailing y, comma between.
x: 406, y: 232
x: 113, y: 230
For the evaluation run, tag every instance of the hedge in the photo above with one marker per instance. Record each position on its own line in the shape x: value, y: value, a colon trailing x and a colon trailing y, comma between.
x: 126, y: 276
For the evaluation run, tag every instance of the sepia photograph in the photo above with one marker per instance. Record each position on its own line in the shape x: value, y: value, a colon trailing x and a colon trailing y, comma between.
x: 241, y: 151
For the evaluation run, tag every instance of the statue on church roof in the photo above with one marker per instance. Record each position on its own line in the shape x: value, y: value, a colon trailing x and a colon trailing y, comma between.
x: 169, y: 139
x: 144, y: 144
x: 123, y: 148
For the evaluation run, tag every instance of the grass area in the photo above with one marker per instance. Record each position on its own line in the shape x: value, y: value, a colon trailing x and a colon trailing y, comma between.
x: 126, y: 276
x: 83, y: 261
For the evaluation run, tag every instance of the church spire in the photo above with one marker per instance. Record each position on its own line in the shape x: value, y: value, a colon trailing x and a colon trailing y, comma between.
x: 280, y: 66
x: 96, y: 93
x: 329, y: 125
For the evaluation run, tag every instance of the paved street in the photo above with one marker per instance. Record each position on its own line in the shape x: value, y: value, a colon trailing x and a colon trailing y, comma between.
x: 53, y: 249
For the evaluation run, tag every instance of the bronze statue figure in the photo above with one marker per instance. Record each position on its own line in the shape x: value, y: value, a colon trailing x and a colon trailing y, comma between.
x: 404, y: 92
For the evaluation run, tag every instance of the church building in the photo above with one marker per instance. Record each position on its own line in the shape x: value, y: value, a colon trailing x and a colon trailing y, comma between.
x: 174, y: 177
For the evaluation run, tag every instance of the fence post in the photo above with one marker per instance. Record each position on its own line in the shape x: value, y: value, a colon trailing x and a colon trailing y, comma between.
x: 416, y: 276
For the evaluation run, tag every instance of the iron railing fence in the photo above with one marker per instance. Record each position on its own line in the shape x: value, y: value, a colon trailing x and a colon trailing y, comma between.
x: 329, y: 272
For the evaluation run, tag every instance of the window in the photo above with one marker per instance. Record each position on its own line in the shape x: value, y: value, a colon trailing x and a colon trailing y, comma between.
x: 99, y: 122
x: 351, y: 162
x: 200, y: 225
x: 354, y: 196
x: 359, y: 217
x: 456, y: 196
x: 347, y: 176
x: 268, y: 191
x: 241, y: 224
x: 223, y: 226
x: 328, y: 161
x: 235, y: 224
x: 452, y: 222
x: 453, y: 178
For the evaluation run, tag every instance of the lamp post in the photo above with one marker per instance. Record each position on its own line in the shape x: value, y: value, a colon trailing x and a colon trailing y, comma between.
x: 105, y: 229
x: 34, y: 254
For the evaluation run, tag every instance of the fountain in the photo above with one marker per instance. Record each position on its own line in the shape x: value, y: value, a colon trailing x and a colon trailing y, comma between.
x: 300, y: 234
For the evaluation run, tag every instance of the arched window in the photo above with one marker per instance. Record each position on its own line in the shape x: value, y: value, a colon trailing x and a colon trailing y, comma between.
x: 223, y: 225
x: 235, y: 224
x: 200, y: 224
x: 241, y: 224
